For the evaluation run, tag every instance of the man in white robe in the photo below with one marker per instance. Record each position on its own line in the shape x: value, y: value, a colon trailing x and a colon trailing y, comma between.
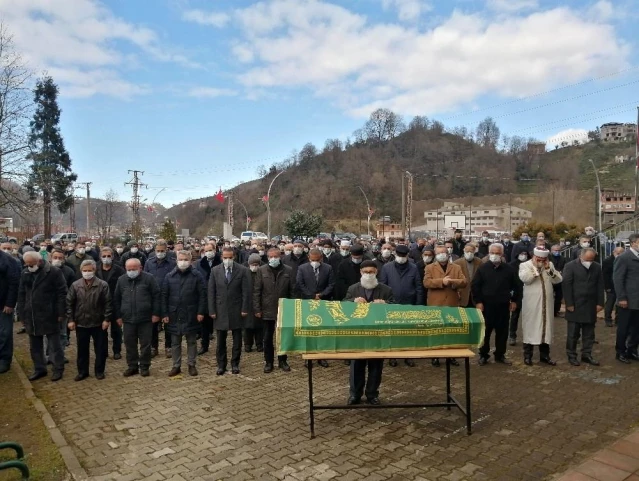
x: 537, y: 312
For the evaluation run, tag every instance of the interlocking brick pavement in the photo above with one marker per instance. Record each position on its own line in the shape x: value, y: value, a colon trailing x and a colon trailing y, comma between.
x: 529, y: 422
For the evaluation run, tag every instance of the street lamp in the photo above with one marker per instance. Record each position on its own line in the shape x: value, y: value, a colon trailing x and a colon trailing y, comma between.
x: 268, y: 206
x: 598, y: 189
x: 248, y: 219
x: 368, y: 217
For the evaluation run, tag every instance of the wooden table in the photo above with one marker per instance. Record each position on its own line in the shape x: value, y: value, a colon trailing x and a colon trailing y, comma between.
x: 447, y: 354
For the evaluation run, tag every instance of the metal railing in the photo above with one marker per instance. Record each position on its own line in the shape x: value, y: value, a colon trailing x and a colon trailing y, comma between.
x: 604, y: 246
x: 17, y: 463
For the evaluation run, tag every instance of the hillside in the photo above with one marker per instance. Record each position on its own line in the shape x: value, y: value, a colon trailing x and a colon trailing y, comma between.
x: 445, y: 165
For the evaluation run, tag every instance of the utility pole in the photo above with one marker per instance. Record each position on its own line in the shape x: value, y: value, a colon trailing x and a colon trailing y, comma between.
x: 403, y: 204
x: 230, y: 210
x: 88, y: 187
x: 409, y: 204
x: 136, y: 230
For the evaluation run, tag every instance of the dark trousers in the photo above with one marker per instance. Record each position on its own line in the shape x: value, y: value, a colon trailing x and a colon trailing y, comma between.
x: 36, y: 346
x: 6, y: 338
x: 220, y: 348
x: 141, y: 333
x: 116, y: 337
x: 83, y: 336
x: 611, y: 301
x: 496, y: 317
x: 559, y: 296
x: 586, y: 332
x: 155, y: 341
x: 627, y: 331
x: 358, y: 377
x: 269, y: 349
x: 256, y: 335
x: 544, y: 351
x: 207, y: 332
x: 514, y: 323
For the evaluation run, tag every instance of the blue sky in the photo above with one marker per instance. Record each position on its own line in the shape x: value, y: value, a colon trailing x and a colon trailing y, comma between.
x: 199, y: 93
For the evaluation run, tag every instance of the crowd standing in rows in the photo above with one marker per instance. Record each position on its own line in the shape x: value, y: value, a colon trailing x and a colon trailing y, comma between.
x: 199, y: 291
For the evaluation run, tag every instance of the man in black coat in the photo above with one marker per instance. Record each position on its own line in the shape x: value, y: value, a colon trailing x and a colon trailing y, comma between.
x: 110, y: 272
x: 204, y: 266
x: 158, y: 266
x: 295, y: 259
x: 483, y: 245
x: 253, y: 327
x: 134, y: 253
x: 558, y: 261
x: 458, y: 243
x: 583, y: 288
x: 42, y: 307
x: 508, y: 247
x: 331, y: 257
x: 183, y: 309
x: 626, y: 280
x: 607, y: 267
x: 9, y: 284
x: 348, y: 272
x: 137, y: 305
x: 524, y: 245
x: 59, y: 260
x: 229, y: 293
x: 367, y: 290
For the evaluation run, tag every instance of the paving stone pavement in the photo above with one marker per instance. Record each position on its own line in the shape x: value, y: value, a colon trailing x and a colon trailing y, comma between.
x: 530, y: 423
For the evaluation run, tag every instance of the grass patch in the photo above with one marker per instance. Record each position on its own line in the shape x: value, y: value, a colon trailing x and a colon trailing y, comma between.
x: 21, y: 423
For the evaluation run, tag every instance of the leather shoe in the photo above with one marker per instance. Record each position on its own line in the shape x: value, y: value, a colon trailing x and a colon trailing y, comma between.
x: 435, y: 362
x: 622, y: 358
x: 175, y: 371
x: 130, y: 372
x: 235, y: 369
x: 248, y: 349
x: 574, y: 362
x: 323, y: 363
x: 547, y: 360
x: 528, y: 361
x: 504, y: 360
x: 22, y: 330
x: 168, y: 353
x: 352, y: 400
x: 392, y: 362
x: 4, y: 368
x: 202, y: 351
x: 117, y: 356
x: 284, y: 366
x: 633, y: 357
x: 590, y: 360
x: 512, y: 341
x: 81, y: 377
x: 144, y: 373
x: 409, y: 362
x: 99, y: 376
x: 193, y: 371
x: 268, y: 367
x: 56, y: 376
x: 454, y: 362
x: 39, y: 375
x: 220, y: 371
x: 482, y: 361
x: 374, y: 401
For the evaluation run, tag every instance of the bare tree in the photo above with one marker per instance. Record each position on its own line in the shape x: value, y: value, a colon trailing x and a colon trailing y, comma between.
x: 106, y: 212
x: 488, y: 133
x: 384, y: 125
x: 16, y: 107
x: 419, y: 122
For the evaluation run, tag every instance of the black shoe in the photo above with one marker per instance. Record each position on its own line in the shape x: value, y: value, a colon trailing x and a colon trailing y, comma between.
x: 144, y: 373
x: 622, y: 358
x: 193, y: 371
x: 528, y: 361
x: 99, y: 376
x: 117, y: 356
x: 268, y: 367
x: 595, y: 342
x: 409, y: 362
x: 39, y: 375
x: 202, y: 351
x: 56, y: 376
x: 220, y: 371
x: 66, y: 361
x: 482, y: 361
x: 168, y: 353
x: 154, y: 352
x: 284, y: 366
x: 4, y: 368
x: 81, y: 377
x: 435, y: 362
x: 235, y: 369
x: 454, y: 362
x: 130, y: 372
x: 504, y: 360
x: 22, y: 330
x: 323, y: 363
x: 248, y: 349
x: 175, y: 371
x: 574, y: 362
x: 512, y: 341
x: 392, y: 362
x: 547, y: 360
x: 590, y: 360
x: 633, y: 357
x: 374, y: 401
x: 352, y: 400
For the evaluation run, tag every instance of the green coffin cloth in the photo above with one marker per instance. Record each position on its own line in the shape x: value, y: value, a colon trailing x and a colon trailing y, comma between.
x: 306, y: 326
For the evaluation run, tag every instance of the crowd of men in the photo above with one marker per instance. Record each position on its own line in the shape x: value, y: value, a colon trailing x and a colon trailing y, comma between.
x: 202, y: 290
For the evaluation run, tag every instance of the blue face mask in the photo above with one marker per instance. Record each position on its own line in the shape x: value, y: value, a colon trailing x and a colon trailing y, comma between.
x: 274, y: 262
x: 525, y: 238
x: 556, y: 254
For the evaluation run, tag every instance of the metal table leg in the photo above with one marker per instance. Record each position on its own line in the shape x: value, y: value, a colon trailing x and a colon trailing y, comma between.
x: 448, y: 381
x: 309, y: 366
x: 468, y: 418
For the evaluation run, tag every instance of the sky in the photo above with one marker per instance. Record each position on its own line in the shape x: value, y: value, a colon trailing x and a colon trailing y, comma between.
x: 198, y: 94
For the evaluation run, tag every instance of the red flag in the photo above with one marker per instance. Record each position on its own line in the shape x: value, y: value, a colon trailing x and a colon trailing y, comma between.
x: 150, y: 208
x: 371, y: 211
x: 220, y: 195
x: 248, y: 219
x: 265, y: 198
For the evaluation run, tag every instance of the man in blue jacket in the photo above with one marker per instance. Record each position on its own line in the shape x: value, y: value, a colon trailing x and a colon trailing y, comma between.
x: 9, y: 283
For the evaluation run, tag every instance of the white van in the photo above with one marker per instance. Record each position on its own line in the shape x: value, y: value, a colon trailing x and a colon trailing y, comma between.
x: 65, y: 237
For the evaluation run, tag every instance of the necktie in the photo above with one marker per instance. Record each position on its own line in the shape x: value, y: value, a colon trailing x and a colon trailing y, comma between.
x: 317, y: 275
x: 228, y: 275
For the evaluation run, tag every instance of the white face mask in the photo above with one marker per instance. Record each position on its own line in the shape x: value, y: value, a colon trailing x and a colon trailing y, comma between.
x: 119, y: 250
x: 450, y: 250
x: 298, y: 250
x: 585, y: 245
x: 401, y: 260
x: 369, y: 281
x: 469, y: 256
x: 523, y: 258
x: 274, y: 262
x: 254, y: 268
x: 586, y: 264
x: 183, y: 265
x: 494, y: 258
x: 327, y: 251
x: 81, y: 251
x: 87, y: 276
x: 386, y: 253
x: 134, y: 250
x: 356, y: 260
x: 484, y: 238
x: 209, y: 254
x: 344, y: 252
x: 441, y: 257
x: 33, y: 268
x: 315, y: 264
x: 287, y: 252
x: 227, y: 262
x: 160, y: 255
x: 132, y: 274
x: 107, y: 261
x: 56, y: 263
x: 427, y: 259
x: 260, y: 253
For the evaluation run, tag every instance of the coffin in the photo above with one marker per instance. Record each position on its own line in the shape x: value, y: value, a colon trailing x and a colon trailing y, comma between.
x: 307, y: 326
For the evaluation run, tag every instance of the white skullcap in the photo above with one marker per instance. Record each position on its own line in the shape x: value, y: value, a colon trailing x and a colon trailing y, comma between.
x: 345, y: 243
x: 541, y: 252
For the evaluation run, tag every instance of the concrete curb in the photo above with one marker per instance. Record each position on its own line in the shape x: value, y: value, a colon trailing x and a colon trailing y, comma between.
x: 70, y: 460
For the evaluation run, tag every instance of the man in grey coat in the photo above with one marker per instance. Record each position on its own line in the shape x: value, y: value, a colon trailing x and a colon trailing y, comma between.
x: 229, y: 297
x: 583, y: 289
x: 625, y: 277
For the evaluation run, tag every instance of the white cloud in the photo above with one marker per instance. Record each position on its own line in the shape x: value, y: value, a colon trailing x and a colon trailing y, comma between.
x: 569, y: 136
x: 509, y: 6
x: 206, y: 18
x: 408, y: 10
x: 210, y: 92
x: 362, y: 65
x: 77, y: 41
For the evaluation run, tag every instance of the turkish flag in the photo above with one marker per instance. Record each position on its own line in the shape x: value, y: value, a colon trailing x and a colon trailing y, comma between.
x: 220, y: 195
x: 265, y: 198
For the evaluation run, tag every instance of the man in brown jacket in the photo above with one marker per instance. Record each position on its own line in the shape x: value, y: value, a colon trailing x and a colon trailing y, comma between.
x: 444, y: 279
x: 469, y: 264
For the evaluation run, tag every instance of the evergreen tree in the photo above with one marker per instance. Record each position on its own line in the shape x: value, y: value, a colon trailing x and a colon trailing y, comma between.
x: 168, y: 231
x: 51, y: 177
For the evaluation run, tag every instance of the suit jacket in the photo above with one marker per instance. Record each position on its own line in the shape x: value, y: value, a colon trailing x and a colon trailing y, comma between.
x: 406, y: 283
x: 438, y: 294
x: 584, y: 289
x: 625, y: 276
x: 607, y: 267
x: 306, y: 286
x: 464, y: 293
x: 227, y: 300
x: 382, y: 292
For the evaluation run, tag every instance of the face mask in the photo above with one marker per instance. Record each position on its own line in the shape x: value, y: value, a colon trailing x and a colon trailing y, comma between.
x: 522, y: 258
x: 148, y: 249
x: 584, y: 245
x: 494, y: 258
x: 227, y: 245
x: 275, y: 262
x: 87, y: 275
x: 8, y: 251
x: 401, y: 260
x: 254, y: 268
x: 81, y: 251
x: 441, y: 257
x: 15, y: 252
x: 450, y: 250
x: 386, y: 253
x: 506, y: 241
x: 326, y: 251
x: 132, y: 274
x: 315, y: 264
x: 343, y: 252
x: 261, y: 253
x: 586, y: 264
x: 43, y: 248
x: 87, y: 248
x: 33, y: 268
x: 369, y: 281
x: 525, y: 238
x: 356, y: 260
x: 160, y: 255
x: 541, y: 240
x: 227, y: 262
x: 107, y: 261
x: 134, y: 250
x: 556, y: 253
x: 590, y: 232
x: 484, y: 238
x: 298, y: 250
x: 119, y: 250
x: 209, y: 254
x: 427, y: 259
x: 287, y: 252
x: 469, y: 256
x: 183, y: 265
x: 56, y: 263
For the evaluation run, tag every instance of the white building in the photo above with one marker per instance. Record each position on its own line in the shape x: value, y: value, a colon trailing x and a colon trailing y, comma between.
x: 503, y: 218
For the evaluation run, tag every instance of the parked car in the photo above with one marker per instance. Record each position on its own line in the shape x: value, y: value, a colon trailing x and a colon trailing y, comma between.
x: 65, y: 237
x: 38, y: 238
